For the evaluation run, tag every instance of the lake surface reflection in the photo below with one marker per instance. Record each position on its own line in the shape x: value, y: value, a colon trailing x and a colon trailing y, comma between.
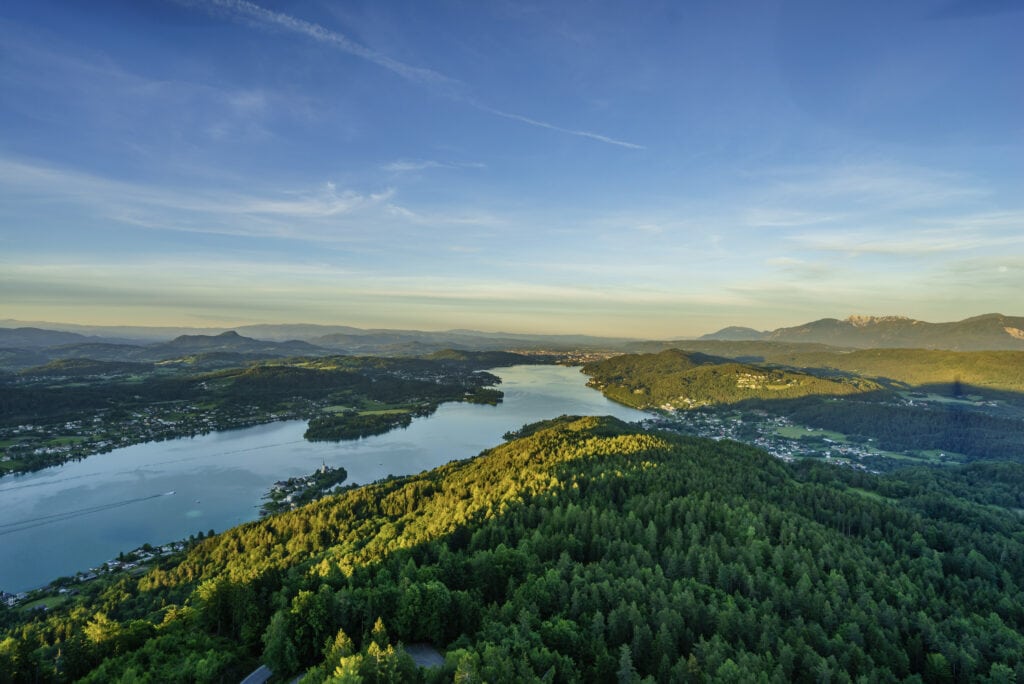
x: 61, y: 520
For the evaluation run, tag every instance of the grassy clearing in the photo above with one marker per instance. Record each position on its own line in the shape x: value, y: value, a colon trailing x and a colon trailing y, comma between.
x: 796, y: 432
x: 372, y: 405
x: 969, y: 400
x: 49, y: 602
x: 938, y: 454
x: 874, y: 496
x: 937, y: 457
x: 370, y: 408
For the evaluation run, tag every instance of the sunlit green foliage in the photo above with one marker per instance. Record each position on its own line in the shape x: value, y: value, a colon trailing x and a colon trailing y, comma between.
x: 1000, y: 370
x: 687, y: 380
x: 584, y: 551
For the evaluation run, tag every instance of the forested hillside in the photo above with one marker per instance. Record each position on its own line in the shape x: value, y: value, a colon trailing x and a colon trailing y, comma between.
x: 585, y: 550
x: 998, y: 370
x: 678, y: 379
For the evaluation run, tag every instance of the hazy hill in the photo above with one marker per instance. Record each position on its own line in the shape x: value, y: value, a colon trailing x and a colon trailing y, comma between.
x: 986, y: 332
x: 486, y: 359
x: 735, y: 333
x: 295, y: 331
x: 230, y: 341
x: 337, y: 338
x: 86, y: 368
x: 99, y: 351
x: 130, y: 334
x: 585, y: 551
x: 421, y: 342
x: 37, y: 338
x: 744, y: 350
x: 16, y: 359
x: 199, y: 350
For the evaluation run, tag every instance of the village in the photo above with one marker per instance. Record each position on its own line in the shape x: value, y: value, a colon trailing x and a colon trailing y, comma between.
x: 289, y: 494
x: 39, y: 444
x: 64, y: 588
x: 31, y: 446
x: 777, y: 435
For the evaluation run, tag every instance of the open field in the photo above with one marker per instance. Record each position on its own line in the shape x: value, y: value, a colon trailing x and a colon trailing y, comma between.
x: 797, y: 432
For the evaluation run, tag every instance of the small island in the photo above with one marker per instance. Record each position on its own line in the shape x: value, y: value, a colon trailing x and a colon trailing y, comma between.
x: 351, y: 424
x: 376, y: 418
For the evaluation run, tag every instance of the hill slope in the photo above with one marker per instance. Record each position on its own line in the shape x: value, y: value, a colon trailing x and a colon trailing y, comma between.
x: 584, y: 551
x: 678, y: 379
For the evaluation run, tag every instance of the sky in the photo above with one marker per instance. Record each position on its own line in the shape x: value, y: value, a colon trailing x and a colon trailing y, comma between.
x: 641, y: 169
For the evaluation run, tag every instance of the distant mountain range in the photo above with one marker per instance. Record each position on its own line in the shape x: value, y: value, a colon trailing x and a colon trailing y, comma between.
x: 988, y: 332
x: 26, y: 346
x: 36, y: 352
x: 35, y: 348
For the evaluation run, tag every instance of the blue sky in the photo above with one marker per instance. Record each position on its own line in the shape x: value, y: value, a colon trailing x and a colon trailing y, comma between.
x: 641, y: 169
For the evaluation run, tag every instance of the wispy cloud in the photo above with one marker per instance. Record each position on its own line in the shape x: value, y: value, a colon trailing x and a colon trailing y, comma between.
x: 434, y: 80
x: 324, y: 213
x: 413, y: 165
x: 291, y: 213
x: 784, y: 218
x: 96, y: 91
x: 907, y: 243
x: 872, y: 185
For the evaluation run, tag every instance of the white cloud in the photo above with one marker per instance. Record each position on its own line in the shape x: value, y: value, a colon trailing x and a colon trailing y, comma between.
x: 904, y: 243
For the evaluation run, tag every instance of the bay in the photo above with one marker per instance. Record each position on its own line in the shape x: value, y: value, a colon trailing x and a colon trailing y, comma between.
x: 58, y: 521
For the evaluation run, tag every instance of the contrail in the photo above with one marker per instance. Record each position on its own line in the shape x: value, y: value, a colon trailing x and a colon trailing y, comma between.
x: 333, y: 38
x: 445, y: 85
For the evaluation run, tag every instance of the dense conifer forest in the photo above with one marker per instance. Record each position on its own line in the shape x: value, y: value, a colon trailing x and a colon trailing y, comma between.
x: 582, y: 550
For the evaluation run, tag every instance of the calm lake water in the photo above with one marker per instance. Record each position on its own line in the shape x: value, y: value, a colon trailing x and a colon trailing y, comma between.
x: 61, y: 520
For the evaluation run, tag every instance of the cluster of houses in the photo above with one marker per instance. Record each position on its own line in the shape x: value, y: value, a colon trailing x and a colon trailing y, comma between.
x: 80, y: 438
x: 124, y: 562
x: 11, y: 600
x: 761, y: 430
x: 289, y: 494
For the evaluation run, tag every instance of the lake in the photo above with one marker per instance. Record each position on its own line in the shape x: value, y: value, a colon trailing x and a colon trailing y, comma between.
x: 58, y: 521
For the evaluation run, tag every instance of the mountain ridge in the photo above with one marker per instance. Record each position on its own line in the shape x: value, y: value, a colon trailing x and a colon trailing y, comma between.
x: 985, y: 332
